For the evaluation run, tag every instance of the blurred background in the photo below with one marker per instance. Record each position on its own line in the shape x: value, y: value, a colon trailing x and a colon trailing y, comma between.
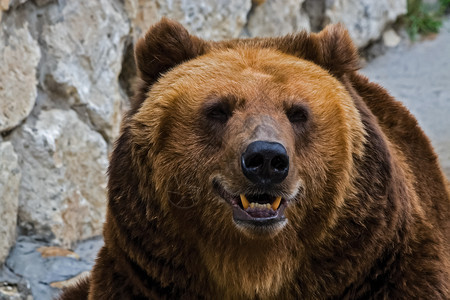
x: 66, y: 68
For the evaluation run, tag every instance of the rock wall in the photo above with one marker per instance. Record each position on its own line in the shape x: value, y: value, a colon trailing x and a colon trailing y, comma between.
x: 9, y: 191
x: 65, y: 72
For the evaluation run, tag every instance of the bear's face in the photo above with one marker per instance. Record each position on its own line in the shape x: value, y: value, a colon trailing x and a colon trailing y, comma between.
x: 239, y: 151
x: 250, y: 139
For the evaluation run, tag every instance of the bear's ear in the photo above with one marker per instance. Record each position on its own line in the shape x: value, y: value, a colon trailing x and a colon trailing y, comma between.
x: 335, y: 50
x: 165, y: 45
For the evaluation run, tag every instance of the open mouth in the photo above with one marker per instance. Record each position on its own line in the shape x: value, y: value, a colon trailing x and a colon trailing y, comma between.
x: 257, y: 209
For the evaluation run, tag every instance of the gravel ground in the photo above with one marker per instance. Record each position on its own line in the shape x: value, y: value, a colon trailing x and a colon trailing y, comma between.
x: 417, y: 74
x: 35, y: 270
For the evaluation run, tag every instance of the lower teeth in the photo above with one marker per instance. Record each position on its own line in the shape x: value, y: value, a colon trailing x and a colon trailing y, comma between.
x: 259, y: 205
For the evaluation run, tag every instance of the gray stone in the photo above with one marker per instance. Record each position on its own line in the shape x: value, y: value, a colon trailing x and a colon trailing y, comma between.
x: 277, y: 17
x: 63, y: 188
x: 84, y: 50
x: 391, y: 38
x: 27, y: 263
x: 15, y: 289
x: 364, y: 19
x: 11, y: 282
x: 88, y: 249
x: 419, y: 76
x: 17, y: 76
x: 13, y: 292
x: 205, y: 18
x: 9, y: 292
x: 9, y: 199
x: 315, y: 9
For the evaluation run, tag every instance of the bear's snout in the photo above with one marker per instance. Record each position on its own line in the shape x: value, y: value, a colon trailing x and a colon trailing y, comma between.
x: 265, y: 163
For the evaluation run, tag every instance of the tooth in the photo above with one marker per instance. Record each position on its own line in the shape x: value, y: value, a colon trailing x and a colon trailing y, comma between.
x: 268, y: 206
x: 276, y: 203
x: 244, y: 201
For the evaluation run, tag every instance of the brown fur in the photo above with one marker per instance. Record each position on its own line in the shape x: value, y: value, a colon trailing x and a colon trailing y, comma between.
x: 370, y: 215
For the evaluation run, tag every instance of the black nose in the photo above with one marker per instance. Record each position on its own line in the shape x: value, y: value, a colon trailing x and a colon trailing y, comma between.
x: 265, y: 162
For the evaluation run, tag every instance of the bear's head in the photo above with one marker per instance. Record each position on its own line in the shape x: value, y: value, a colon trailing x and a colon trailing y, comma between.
x: 244, y: 147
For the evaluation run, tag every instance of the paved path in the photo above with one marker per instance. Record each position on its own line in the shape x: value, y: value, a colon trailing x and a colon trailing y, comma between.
x: 419, y: 76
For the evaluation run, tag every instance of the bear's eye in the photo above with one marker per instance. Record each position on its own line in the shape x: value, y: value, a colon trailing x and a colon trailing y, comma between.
x: 218, y: 111
x: 297, y: 114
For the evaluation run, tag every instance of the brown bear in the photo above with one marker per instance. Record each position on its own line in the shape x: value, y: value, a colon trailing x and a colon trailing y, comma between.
x: 268, y: 168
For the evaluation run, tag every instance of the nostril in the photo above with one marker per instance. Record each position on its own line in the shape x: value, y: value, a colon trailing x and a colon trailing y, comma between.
x: 279, y: 163
x: 265, y: 162
x: 254, y: 161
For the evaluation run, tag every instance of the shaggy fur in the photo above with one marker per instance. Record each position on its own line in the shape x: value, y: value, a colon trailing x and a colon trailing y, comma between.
x: 365, y: 200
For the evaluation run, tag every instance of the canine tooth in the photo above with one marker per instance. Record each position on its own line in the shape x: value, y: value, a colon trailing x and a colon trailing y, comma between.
x: 244, y: 201
x: 276, y: 203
